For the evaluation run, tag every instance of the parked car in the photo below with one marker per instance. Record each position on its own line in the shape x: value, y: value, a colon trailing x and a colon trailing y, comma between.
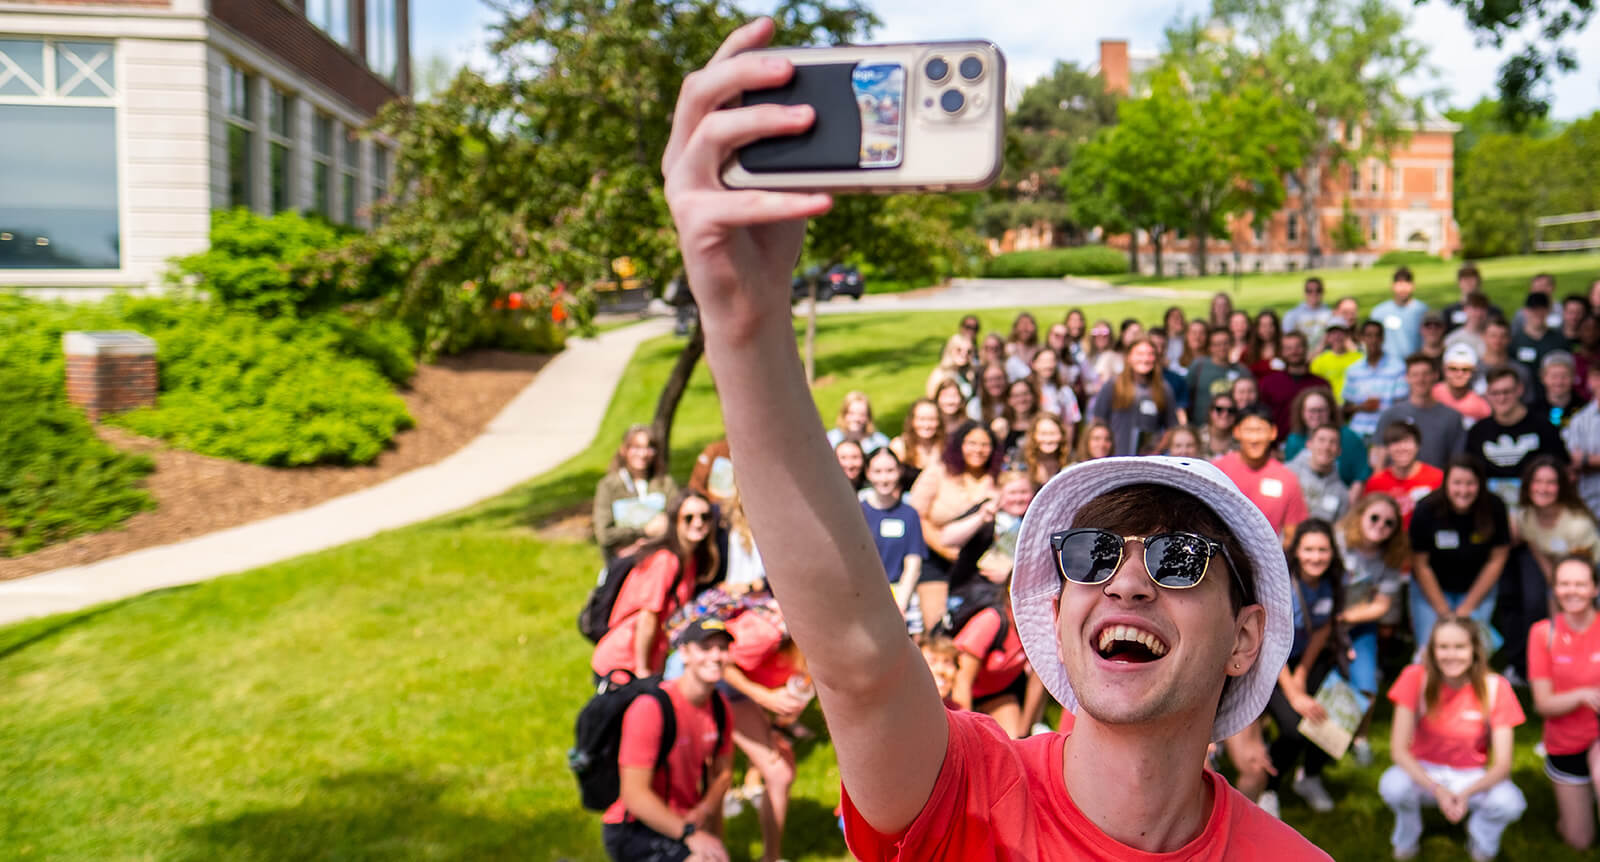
x: 839, y: 280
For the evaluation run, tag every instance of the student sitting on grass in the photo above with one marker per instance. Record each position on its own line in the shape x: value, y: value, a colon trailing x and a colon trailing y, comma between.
x: 1564, y: 670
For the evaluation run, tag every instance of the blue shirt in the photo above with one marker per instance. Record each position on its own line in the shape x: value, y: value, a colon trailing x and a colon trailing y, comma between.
x: 897, y: 533
x: 1402, y: 326
x: 1320, y: 598
x: 1385, y: 382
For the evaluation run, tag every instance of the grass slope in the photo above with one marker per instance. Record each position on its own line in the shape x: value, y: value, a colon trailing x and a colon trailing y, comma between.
x: 411, y: 696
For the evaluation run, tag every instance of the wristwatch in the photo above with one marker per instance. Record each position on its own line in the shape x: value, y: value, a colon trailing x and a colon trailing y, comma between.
x: 688, y: 829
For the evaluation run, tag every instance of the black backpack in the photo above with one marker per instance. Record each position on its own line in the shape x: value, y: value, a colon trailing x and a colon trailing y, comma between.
x: 593, y: 759
x: 595, y: 618
x: 978, y: 594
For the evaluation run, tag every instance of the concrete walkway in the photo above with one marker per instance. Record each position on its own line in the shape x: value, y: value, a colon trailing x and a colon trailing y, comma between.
x: 551, y: 420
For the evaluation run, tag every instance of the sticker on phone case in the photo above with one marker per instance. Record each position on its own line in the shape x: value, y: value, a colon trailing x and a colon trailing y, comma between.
x: 880, y: 90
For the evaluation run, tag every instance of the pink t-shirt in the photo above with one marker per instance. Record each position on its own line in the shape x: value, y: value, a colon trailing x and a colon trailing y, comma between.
x: 1472, y: 406
x: 757, y: 643
x: 1571, y: 662
x: 1454, y: 732
x: 1003, y: 799
x: 1000, y: 666
x: 679, y: 784
x: 648, y: 587
x: 1274, y: 489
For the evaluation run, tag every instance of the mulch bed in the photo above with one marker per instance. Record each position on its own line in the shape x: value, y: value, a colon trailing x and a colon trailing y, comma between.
x: 452, y: 402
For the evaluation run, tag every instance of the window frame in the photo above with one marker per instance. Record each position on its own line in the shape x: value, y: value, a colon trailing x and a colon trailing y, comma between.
x: 238, y: 77
x: 383, y: 38
x: 280, y: 104
x: 329, y: 25
x: 1291, y: 228
x: 350, y: 176
x: 323, y: 125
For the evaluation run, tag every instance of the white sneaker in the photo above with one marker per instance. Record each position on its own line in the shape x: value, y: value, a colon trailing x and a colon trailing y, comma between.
x: 1538, y: 749
x: 1040, y: 727
x: 1315, y: 795
x: 733, y: 803
x: 1269, y: 803
x: 1362, y: 750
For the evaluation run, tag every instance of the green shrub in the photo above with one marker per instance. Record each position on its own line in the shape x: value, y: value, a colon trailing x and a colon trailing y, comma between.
x: 1407, y: 258
x: 272, y: 266
x: 57, y: 479
x: 1057, y: 262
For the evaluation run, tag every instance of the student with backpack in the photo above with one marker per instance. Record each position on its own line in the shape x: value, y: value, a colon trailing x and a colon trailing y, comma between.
x: 664, y: 578
x: 670, y: 795
x: 1452, y: 743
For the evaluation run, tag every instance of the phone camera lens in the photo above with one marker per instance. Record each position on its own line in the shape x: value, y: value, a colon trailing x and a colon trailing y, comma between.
x: 937, y: 69
x: 971, y: 68
x: 952, y: 101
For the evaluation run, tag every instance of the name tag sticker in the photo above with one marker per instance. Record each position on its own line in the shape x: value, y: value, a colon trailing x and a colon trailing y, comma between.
x: 1458, y: 316
x: 1323, y: 607
x: 1447, y: 540
x: 1329, y: 503
x: 1148, y: 408
x: 1392, y: 322
x: 1271, y: 488
x: 891, y: 528
x: 1527, y: 354
x: 1558, y: 545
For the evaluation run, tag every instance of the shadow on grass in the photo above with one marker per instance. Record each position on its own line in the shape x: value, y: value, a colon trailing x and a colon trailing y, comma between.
x: 29, y: 633
x: 386, y: 815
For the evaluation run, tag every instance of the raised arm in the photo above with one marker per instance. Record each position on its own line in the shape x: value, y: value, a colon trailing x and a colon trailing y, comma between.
x: 739, y: 247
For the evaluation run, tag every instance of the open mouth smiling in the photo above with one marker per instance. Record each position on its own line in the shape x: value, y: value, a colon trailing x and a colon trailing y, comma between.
x: 1120, y: 642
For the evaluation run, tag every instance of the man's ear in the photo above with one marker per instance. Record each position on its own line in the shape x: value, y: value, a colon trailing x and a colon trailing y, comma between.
x: 1249, y: 632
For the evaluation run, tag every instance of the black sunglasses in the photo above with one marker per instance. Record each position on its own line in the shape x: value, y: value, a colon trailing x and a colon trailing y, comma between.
x: 1174, y: 561
x: 1375, y: 518
x: 1221, y: 408
x: 693, y: 517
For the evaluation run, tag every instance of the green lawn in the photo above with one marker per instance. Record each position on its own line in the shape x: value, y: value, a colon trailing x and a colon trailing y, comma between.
x: 411, y: 696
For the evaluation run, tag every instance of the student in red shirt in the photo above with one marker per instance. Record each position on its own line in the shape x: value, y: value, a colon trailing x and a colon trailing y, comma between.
x: 1271, y: 485
x: 1451, y: 742
x: 1406, y: 479
x: 664, y: 579
x: 763, y: 663
x: 666, y: 813
x: 1162, y: 670
x: 1564, y: 671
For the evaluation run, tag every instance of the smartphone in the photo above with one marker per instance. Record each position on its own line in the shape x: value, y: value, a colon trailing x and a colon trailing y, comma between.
x: 915, y: 116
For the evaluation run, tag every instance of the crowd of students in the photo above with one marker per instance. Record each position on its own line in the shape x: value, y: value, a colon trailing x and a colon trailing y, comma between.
x: 1433, y: 475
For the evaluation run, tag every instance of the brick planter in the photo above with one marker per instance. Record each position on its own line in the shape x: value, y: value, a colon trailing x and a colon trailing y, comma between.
x: 108, y: 372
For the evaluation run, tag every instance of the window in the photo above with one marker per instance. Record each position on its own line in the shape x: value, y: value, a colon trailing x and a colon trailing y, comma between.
x: 1292, y: 234
x: 58, y: 178
x: 1291, y: 183
x: 1258, y: 229
x: 383, y: 42
x: 1376, y: 178
x: 1374, y: 228
x: 348, y: 185
x: 1355, y: 178
x: 280, y: 134
x: 380, y: 173
x: 238, y: 105
x: 322, y: 164
x: 331, y: 17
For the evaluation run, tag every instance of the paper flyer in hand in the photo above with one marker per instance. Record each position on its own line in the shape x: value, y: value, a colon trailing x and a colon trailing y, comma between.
x: 634, y: 512
x: 1345, y: 707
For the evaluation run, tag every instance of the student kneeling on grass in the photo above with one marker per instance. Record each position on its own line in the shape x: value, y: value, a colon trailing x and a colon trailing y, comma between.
x: 1564, y: 671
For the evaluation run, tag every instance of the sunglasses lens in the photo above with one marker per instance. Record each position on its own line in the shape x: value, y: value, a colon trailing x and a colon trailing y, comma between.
x: 1090, y: 556
x: 1176, y: 561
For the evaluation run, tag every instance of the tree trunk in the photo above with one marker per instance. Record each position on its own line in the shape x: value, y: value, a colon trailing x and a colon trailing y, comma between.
x: 672, y: 393
x: 1308, y: 210
x: 1133, y: 251
x: 811, y: 332
x: 1200, y: 244
x: 1155, y: 242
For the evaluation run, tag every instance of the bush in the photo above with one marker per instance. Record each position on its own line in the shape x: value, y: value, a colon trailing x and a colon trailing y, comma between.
x: 57, y: 479
x: 1057, y: 262
x: 273, y: 266
x: 1406, y: 258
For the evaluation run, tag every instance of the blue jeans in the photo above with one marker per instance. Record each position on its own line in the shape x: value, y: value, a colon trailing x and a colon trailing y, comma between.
x: 1423, y: 616
x: 1364, y: 667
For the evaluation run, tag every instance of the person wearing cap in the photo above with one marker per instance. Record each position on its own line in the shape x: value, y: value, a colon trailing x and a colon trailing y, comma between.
x: 672, y: 811
x: 1455, y: 390
x: 1311, y: 316
x: 1401, y: 315
x: 1440, y: 427
x: 1543, y: 283
x: 1475, y: 313
x: 1582, y: 436
x: 1374, y: 383
x: 1560, y: 400
x: 1164, y: 666
x: 1338, y: 354
x: 1271, y: 486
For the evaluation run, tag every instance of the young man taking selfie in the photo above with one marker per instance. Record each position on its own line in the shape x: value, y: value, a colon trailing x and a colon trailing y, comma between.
x: 1152, y: 584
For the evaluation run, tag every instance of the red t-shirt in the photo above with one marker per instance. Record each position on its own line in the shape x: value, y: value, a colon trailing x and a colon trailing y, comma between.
x: 757, y: 643
x: 1454, y: 732
x: 1572, y: 661
x: 1274, y: 489
x: 696, y: 746
x: 1001, y: 666
x: 1407, y: 492
x: 1003, y: 799
x: 648, y: 587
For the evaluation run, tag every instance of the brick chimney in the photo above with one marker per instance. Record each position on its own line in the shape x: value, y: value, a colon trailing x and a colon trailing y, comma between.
x: 1114, y: 65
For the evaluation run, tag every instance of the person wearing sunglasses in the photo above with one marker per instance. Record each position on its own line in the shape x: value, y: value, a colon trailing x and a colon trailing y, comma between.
x: 1216, y: 434
x: 1172, y: 641
x: 669, y: 573
x: 1374, y: 551
x: 1311, y: 316
x: 1269, y: 484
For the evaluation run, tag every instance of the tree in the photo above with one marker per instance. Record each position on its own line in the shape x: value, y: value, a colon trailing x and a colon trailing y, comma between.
x: 1524, y: 98
x: 1343, y: 61
x: 1122, y: 180
x: 1507, y: 180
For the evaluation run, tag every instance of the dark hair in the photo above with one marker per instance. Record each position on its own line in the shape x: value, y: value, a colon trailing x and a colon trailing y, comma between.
x: 1423, y: 359
x: 1146, y: 508
x: 1482, y: 509
x: 1402, y: 274
x: 704, y: 556
x: 1537, y: 300
x: 1578, y: 298
x: 955, y: 464
x: 658, y: 463
x: 1297, y: 408
x: 1467, y: 270
x: 1476, y: 299
x: 1369, y: 322
x: 1257, y: 411
x: 1586, y: 559
x: 1500, y: 372
x: 1335, y: 573
x: 879, y: 452
x: 1394, y: 432
x: 1314, y: 280
x: 1566, y: 490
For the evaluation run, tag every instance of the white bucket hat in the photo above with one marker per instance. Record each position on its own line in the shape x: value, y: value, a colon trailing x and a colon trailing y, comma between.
x: 1036, y: 581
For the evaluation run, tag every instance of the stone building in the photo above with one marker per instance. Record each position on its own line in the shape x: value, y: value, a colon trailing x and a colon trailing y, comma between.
x: 127, y: 122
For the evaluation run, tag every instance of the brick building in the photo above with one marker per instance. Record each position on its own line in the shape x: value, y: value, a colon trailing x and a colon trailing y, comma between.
x: 128, y: 121
x: 1402, y: 202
